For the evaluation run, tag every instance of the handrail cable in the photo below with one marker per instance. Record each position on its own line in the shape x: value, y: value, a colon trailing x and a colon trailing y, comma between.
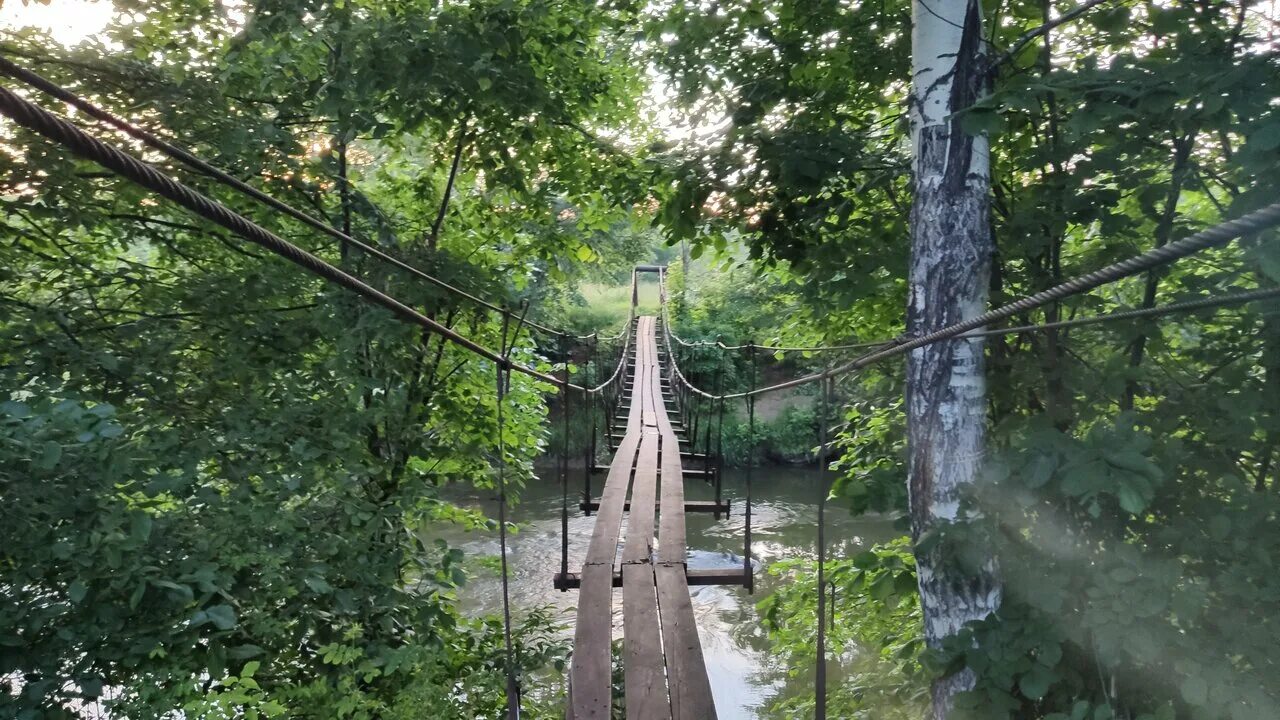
x: 47, y: 86
x: 1220, y: 234
x: 1238, y: 298
x: 777, y: 348
x: 43, y: 122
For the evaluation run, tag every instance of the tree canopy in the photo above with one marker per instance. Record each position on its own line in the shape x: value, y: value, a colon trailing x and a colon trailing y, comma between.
x: 219, y: 475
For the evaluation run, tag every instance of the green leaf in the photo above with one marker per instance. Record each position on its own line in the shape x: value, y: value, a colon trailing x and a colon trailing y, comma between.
x: 1134, y: 462
x: 1219, y: 527
x: 1049, y: 655
x: 1035, y: 683
x: 50, y: 454
x: 91, y: 687
x: 140, y: 526
x: 1112, y: 19
x: 982, y: 121
x: 1130, y: 499
x: 1265, y: 139
x: 15, y: 409
x: 1041, y: 471
x: 77, y: 591
x: 1195, y: 690
x: 223, y: 617
x: 110, y: 430
x: 244, y: 652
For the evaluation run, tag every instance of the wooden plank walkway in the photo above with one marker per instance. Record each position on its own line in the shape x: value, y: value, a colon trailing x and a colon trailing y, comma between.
x: 664, y: 674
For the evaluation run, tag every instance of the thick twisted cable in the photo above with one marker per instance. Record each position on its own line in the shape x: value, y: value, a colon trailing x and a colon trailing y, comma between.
x: 187, y: 158
x: 787, y: 348
x: 43, y: 122
x: 1219, y: 234
x: 1237, y: 298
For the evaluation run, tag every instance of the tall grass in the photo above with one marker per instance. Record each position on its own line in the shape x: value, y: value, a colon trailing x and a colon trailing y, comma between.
x: 607, y: 306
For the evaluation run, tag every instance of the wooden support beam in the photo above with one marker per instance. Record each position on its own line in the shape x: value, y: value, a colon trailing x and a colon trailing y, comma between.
x: 689, y: 473
x: 617, y: 437
x: 690, y: 506
x: 694, y: 578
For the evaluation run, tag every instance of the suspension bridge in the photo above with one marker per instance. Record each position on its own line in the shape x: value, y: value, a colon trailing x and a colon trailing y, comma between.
x: 657, y: 422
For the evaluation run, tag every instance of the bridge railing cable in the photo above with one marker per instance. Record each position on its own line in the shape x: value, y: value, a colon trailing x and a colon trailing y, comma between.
x: 186, y: 157
x: 1215, y: 236
x: 45, y: 123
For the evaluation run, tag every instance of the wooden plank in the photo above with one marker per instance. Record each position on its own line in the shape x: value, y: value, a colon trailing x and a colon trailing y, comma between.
x: 644, y: 489
x: 643, y: 668
x: 671, y: 531
x: 591, y: 667
x: 690, y: 689
x: 604, y: 536
x: 672, y: 536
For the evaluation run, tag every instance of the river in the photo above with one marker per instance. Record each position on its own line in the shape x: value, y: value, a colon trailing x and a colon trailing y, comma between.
x: 743, y: 673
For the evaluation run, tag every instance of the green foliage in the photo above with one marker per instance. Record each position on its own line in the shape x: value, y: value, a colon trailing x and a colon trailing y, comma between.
x: 216, y: 469
x: 874, y: 637
x: 1137, y: 578
x: 791, y: 438
x: 1130, y: 466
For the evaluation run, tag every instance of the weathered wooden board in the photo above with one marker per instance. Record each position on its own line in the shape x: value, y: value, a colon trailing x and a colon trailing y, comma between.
x: 590, y: 669
x: 671, y: 529
x: 592, y: 664
x: 643, y: 666
x: 690, y: 690
x: 663, y: 666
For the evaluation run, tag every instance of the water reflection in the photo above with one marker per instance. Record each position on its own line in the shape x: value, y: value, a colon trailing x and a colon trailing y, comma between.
x: 784, y: 511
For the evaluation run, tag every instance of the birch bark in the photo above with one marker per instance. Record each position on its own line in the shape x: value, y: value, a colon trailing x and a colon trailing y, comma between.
x: 951, y: 252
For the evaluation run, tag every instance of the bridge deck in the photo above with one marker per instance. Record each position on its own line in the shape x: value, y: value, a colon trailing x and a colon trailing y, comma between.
x: 663, y: 669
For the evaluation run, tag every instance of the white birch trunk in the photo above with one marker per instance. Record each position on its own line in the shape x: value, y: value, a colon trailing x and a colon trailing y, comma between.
x: 951, y: 252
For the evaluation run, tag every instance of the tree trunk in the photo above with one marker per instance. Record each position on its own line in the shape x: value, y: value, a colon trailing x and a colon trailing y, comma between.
x: 433, y: 240
x: 951, y: 254
x: 1057, y: 395
x: 344, y: 194
x: 685, y: 259
x: 1164, y: 232
x: 1271, y: 393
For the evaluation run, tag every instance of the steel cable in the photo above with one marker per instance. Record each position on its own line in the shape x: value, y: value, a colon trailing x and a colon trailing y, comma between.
x: 1220, y: 234
x: 44, y: 123
x: 184, y: 156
